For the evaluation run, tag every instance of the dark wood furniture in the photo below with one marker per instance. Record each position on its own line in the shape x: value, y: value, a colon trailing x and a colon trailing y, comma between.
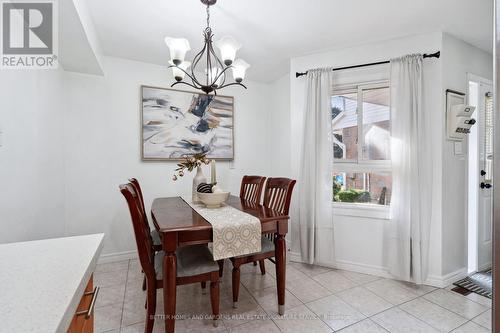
x: 180, y: 226
x: 251, y: 190
x: 155, y: 236
x: 277, y: 196
x: 195, y: 264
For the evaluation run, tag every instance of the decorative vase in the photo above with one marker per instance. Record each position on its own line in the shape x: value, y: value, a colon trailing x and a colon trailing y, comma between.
x: 197, y: 180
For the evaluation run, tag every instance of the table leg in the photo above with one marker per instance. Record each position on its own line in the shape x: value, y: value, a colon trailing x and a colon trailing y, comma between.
x: 280, y: 253
x: 169, y: 290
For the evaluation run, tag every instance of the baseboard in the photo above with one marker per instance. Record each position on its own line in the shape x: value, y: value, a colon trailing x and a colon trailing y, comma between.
x: 118, y: 256
x: 348, y: 266
x: 446, y: 280
x: 432, y: 280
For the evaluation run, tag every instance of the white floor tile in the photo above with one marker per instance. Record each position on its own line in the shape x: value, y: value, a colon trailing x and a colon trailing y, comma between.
x: 396, y: 320
x: 110, y: 295
x: 310, y: 270
x: 300, y: 320
x: 484, y: 319
x: 456, y: 303
x: 433, y: 314
x: 471, y: 327
x: 268, y: 300
x: 364, y: 301
x: 112, y: 267
x: 334, y: 281
x: 392, y: 291
x: 308, y: 290
x: 364, y: 326
x: 335, y: 312
x: 107, y: 318
x: 359, y: 278
x: 256, y: 326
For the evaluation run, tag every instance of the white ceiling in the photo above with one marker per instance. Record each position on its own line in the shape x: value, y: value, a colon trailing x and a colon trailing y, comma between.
x: 273, y: 31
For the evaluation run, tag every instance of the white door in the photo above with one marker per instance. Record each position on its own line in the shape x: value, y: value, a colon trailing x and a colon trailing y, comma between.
x: 485, y: 155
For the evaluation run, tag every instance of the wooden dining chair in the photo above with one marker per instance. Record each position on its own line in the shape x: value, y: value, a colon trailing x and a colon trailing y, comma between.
x: 277, y: 196
x: 155, y: 235
x: 195, y: 263
x: 251, y: 188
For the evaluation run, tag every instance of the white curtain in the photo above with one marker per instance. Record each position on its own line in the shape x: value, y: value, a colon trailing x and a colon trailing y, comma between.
x: 411, y: 203
x: 315, y: 177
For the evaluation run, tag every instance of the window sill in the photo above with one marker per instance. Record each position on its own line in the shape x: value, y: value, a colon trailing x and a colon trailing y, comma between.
x: 361, y: 210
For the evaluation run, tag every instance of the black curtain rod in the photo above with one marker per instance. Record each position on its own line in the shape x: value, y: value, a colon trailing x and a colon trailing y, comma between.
x: 426, y: 55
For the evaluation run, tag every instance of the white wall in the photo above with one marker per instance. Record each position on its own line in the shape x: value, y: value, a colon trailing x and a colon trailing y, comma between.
x: 31, y: 157
x: 459, y: 58
x: 102, y: 147
x: 279, y: 118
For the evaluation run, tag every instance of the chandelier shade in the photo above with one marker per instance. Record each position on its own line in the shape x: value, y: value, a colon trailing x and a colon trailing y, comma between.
x: 206, y: 62
x: 228, y: 47
x: 178, y: 49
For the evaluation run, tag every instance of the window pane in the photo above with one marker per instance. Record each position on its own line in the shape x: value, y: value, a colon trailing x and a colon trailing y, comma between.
x: 374, y: 188
x: 345, y: 126
x: 376, y: 124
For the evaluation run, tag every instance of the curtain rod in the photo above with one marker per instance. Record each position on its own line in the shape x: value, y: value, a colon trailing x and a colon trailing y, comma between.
x: 426, y: 55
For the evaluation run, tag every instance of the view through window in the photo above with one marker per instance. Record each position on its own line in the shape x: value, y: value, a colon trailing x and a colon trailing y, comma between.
x: 361, y: 127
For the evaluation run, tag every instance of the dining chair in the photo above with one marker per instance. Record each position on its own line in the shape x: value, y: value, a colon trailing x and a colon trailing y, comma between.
x: 277, y: 196
x: 195, y: 263
x: 155, y: 235
x: 251, y: 188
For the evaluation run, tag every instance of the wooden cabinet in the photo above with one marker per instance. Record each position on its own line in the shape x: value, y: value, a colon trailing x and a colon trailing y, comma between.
x: 83, y: 320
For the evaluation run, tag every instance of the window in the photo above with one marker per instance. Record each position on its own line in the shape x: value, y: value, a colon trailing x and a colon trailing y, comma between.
x: 361, y: 127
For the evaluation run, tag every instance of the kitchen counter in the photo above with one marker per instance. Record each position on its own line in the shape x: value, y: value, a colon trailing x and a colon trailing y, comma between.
x: 42, y: 282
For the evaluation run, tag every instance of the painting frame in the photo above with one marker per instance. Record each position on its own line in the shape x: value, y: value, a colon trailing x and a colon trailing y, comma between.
x: 173, y: 159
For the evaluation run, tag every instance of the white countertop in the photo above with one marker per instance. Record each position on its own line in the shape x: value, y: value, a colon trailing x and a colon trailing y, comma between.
x: 42, y: 282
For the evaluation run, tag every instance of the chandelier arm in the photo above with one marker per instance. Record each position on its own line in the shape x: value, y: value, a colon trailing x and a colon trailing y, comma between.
x: 218, y: 62
x: 222, y: 72
x: 191, y: 77
x: 183, y: 82
x: 233, y: 84
x: 196, y: 60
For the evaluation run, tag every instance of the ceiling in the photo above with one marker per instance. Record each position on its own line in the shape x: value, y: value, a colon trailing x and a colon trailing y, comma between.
x: 273, y: 31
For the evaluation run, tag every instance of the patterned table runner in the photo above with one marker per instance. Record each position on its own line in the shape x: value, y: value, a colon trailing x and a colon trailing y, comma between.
x: 235, y: 233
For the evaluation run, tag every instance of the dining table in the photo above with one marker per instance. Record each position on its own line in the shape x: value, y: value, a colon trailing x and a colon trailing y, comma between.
x: 180, y: 225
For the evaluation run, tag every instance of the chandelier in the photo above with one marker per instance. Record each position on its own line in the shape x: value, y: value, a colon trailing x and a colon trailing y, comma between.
x: 214, y: 69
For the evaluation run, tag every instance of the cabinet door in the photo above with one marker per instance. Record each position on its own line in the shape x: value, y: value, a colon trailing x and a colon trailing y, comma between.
x: 80, y: 323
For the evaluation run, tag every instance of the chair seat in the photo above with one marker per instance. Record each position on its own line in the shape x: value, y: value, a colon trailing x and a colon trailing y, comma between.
x: 191, y: 260
x: 155, y: 235
x: 266, y: 245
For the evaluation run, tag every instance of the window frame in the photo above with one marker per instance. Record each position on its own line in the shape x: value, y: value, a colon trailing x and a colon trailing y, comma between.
x: 360, y: 165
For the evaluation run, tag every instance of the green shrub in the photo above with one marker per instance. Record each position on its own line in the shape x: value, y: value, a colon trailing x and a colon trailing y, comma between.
x: 353, y: 195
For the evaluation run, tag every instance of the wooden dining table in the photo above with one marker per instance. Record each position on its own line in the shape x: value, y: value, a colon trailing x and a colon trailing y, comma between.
x: 180, y: 225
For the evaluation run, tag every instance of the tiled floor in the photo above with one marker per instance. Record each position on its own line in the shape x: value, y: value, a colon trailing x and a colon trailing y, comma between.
x: 318, y: 299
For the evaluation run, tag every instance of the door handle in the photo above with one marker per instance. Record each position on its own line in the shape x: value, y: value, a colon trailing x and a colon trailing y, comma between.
x: 485, y: 185
x: 483, y: 173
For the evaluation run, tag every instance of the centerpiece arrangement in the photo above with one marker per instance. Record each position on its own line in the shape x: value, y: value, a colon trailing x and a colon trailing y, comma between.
x: 208, y: 193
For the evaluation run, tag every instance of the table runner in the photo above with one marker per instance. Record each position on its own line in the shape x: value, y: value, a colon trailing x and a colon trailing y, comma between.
x: 235, y: 233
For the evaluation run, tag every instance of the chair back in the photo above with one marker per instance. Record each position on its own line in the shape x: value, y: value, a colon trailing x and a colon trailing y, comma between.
x: 141, y: 230
x: 251, y: 188
x: 278, y: 194
x: 137, y: 187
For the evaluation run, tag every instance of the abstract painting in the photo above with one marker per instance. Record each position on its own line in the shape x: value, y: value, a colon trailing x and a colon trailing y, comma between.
x: 178, y: 123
